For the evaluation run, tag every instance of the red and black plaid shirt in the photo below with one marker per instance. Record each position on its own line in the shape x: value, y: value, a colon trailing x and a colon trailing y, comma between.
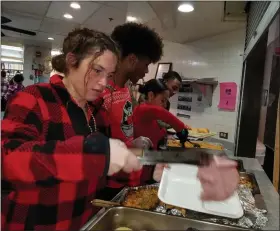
x: 51, y: 160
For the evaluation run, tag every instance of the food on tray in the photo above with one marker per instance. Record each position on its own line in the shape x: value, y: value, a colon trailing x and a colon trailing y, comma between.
x: 246, y: 182
x: 200, y: 130
x: 176, y: 143
x: 142, y: 199
x: 173, y: 143
x: 167, y: 206
x: 123, y: 228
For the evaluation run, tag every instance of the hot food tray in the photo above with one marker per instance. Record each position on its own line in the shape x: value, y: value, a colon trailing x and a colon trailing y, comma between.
x: 249, y: 180
x: 134, y: 219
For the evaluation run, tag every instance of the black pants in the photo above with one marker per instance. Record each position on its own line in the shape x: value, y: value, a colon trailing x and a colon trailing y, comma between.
x: 107, y: 193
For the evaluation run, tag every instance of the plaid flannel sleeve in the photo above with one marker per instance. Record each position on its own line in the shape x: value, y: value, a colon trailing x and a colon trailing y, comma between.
x: 29, y: 160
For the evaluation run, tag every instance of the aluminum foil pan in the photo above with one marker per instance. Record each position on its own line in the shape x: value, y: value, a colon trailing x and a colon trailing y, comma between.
x: 122, y: 195
x: 253, y: 218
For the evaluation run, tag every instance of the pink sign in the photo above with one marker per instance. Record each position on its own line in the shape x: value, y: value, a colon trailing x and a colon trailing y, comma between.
x: 228, y: 92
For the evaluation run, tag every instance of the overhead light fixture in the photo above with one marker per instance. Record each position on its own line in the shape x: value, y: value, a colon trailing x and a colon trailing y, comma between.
x: 75, y: 5
x: 50, y: 38
x: 11, y: 60
x: 68, y: 16
x: 131, y: 19
x: 185, y: 8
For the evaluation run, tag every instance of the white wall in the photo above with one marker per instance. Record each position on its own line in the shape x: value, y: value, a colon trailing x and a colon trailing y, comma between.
x: 220, y: 57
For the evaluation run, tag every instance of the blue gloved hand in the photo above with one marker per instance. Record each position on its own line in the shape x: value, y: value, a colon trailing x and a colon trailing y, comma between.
x: 183, y: 136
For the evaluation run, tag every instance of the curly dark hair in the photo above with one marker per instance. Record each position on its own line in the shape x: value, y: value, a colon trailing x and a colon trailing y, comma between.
x: 18, y: 78
x: 82, y: 42
x: 138, y: 39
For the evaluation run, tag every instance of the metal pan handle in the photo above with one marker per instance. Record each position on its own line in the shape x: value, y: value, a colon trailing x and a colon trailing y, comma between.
x: 105, y: 204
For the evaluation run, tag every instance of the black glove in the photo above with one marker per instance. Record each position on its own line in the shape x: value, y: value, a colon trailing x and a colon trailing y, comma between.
x: 183, y: 136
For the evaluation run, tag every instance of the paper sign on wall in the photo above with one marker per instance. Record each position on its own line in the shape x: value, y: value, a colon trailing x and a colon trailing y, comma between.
x: 228, y: 92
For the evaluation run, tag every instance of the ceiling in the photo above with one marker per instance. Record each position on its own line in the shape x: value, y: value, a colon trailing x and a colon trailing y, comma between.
x: 46, y: 19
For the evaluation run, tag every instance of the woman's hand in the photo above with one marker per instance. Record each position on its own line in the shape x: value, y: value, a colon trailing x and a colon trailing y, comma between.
x: 158, y: 171
x: 219, y: 180
x: 121, y: 158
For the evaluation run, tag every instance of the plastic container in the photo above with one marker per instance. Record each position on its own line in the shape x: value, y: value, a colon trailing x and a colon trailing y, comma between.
x: 180, y: 187
x: 260, y: 152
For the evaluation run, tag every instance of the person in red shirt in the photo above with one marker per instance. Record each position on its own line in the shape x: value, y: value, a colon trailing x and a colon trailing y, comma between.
x: 53, y: 157
x: 145, y: 115
x: 140, y: 46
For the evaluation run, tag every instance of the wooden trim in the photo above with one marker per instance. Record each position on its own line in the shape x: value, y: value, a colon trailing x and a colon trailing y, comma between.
x: 277, y: 150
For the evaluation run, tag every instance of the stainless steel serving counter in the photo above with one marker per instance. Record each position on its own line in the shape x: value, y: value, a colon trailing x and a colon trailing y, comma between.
x: 270, y: 195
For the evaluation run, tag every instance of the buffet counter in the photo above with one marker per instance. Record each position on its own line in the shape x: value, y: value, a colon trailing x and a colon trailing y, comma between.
x: 270, y: 195
x: 269, y: 198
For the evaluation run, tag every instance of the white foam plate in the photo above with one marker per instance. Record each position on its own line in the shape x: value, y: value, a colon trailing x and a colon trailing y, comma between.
x: 180, y: 187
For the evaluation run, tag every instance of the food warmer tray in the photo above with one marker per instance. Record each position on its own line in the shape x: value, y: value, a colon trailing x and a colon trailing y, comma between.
x: 252, y: 179
x: 135, y: 219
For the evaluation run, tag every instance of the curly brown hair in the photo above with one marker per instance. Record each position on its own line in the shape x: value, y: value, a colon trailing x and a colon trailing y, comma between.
x: 81, y: 43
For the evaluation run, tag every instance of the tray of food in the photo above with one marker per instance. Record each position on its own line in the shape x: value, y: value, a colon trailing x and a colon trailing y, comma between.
x: 249, y: 180
x: 173, y: 143
x: 122, y: 218
x: 201, y: 133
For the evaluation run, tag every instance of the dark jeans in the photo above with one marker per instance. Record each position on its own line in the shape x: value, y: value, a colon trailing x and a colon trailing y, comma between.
x: 3, y: 104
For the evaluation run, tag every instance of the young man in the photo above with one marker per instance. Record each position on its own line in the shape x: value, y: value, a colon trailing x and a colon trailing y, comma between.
x: 173, y: 82
x: 140, y: 46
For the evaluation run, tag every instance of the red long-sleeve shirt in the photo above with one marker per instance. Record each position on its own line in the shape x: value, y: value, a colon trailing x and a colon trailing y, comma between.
x: 117, y: 113
x: 52, y: 162
x: 145, y: 118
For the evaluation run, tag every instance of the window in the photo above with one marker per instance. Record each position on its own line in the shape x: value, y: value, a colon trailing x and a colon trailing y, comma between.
x: 12, y: 59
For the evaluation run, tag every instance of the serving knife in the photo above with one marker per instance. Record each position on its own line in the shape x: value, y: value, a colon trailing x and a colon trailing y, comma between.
x: 193, y: 156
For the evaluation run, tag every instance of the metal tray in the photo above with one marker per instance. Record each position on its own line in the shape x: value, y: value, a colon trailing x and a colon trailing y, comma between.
x: 251, y: 177
x: 240, y: 166
x: 135, y: 219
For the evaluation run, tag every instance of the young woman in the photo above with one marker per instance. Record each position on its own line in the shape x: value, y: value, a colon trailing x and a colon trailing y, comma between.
x: 52, y: 154
x: 147, y: 114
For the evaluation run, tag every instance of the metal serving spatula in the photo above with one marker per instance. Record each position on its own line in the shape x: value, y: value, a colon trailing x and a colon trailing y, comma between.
x: 194, y: 156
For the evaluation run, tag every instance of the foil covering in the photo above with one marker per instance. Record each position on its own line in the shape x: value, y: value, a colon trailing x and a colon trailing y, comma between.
x: 253, y: 218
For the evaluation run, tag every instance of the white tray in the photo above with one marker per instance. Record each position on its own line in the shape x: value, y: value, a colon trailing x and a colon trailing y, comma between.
x: 180, y: 187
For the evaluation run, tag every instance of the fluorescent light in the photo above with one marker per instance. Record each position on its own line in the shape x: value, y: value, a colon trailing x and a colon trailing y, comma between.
x: 75, y: 5
x: 50, y: 38
x: 12, y: 48
x: 185, y: 7
x: 11, y: 60
x: 68, y: 16
x: 55, y: 52
x: 131, y: 19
